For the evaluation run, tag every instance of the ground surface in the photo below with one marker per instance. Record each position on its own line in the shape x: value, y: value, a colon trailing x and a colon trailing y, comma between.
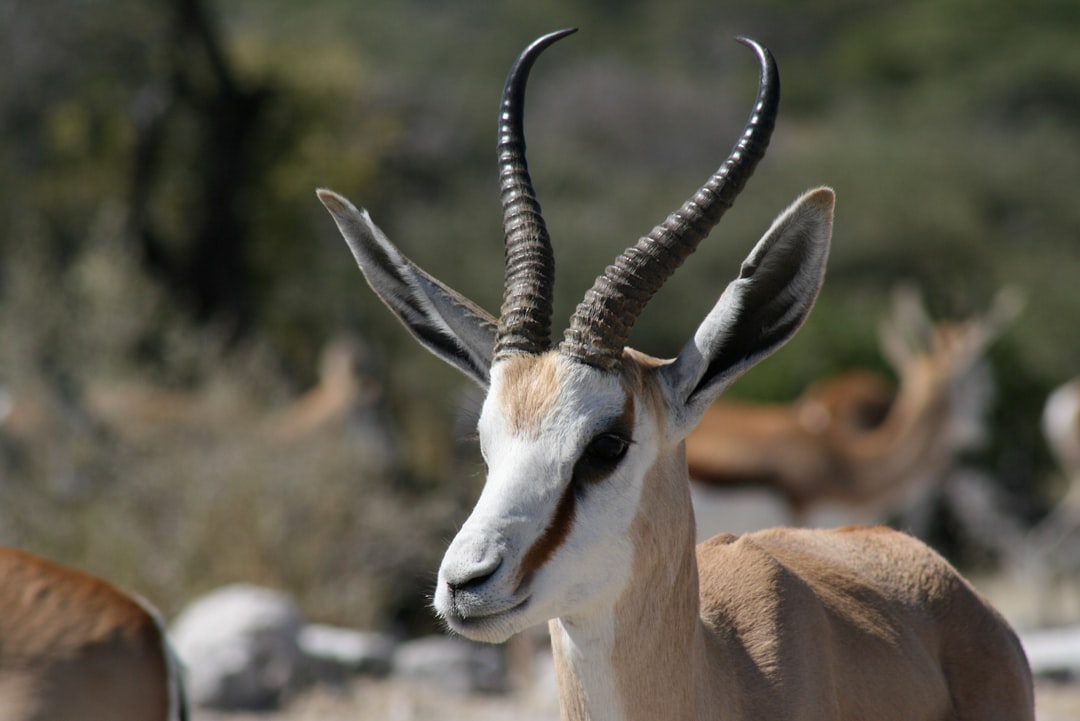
x: 402, y: 701
x: 399, y: 701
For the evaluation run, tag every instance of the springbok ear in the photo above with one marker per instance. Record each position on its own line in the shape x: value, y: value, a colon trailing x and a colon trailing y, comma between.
x: 758, y: 312
x: 445, y: 322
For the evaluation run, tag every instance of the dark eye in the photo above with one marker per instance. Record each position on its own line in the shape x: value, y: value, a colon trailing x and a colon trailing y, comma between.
x: 607, y: 448
x: 600, y: 458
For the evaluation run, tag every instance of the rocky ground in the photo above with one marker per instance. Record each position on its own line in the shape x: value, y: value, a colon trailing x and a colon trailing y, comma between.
x: 403, y: 701
x: 1057, y: 702
x: 400, y: 700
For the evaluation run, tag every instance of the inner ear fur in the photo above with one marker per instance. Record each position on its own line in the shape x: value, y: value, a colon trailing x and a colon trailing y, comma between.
x: 758, y: 311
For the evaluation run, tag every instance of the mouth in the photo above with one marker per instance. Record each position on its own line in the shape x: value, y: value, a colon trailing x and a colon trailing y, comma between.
x: 485, y: 623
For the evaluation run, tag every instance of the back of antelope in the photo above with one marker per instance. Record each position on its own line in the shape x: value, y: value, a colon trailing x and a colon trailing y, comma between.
x: 75, y: 648
x: 585, y: 517
x: 853, y: 440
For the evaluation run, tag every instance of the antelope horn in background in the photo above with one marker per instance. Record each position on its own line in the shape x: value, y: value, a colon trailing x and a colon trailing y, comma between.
x: 525, y: 318
x: 600, y: 326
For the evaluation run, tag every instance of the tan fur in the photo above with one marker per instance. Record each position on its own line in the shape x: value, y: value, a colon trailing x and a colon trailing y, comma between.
x: 73, y: 647
x: 571, y: 694
x: 532, y: 384
x: 845, y: 625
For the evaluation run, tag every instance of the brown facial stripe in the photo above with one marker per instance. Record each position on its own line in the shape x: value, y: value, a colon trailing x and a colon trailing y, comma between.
x: 552, y: 537
x: 626, y: 420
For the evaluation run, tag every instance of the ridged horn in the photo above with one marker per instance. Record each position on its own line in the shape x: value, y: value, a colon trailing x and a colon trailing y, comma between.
x: 525, y: 318
x: 600, y: 327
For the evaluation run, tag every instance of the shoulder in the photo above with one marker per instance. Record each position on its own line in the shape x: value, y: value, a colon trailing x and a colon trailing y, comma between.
x: 813, y: 560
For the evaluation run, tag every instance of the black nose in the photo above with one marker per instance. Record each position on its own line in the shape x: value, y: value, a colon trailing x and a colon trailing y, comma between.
x: 478, y: 575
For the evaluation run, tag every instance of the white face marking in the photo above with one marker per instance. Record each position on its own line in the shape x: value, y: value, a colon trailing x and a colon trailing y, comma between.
x: 531, y: 454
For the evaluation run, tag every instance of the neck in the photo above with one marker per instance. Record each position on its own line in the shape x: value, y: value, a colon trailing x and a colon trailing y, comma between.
x: 914, y: 435
x: 636, y: 658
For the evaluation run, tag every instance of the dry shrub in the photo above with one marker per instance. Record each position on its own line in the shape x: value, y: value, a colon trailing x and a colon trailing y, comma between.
x: 137, y: 446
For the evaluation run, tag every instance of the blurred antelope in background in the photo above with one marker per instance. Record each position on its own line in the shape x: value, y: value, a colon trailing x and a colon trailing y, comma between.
x: 585, y: 517
x: 344, y: 386
x: 75, y: 648
x: 346, y: 399
x: 855, y: 440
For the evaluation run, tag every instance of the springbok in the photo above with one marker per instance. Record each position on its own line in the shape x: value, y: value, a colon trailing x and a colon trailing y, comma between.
x: 345, y: 390
x: 585, y: 518
x: 853, y: 441
x: 75, y: 648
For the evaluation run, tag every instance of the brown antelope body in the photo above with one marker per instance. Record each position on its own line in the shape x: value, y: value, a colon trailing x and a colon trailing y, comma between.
x: 75, y: 648
x: 854, y: 440
x: 585, y: 517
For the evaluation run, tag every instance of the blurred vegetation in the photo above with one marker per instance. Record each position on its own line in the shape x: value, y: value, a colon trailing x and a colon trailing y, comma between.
x: 159, y: 230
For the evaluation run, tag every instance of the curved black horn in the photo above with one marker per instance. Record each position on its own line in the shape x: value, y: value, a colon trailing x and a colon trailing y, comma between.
x: 600, y: 326
x: 525, y: 319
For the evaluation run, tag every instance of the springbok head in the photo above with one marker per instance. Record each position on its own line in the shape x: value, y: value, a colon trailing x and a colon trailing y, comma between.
x: 583, y: 440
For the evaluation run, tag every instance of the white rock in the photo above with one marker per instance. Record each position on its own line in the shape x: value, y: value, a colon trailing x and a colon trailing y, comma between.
x: 452, y: 663
x: 239, y: 645
x: 335, y: 653
x: 1053, y: 651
